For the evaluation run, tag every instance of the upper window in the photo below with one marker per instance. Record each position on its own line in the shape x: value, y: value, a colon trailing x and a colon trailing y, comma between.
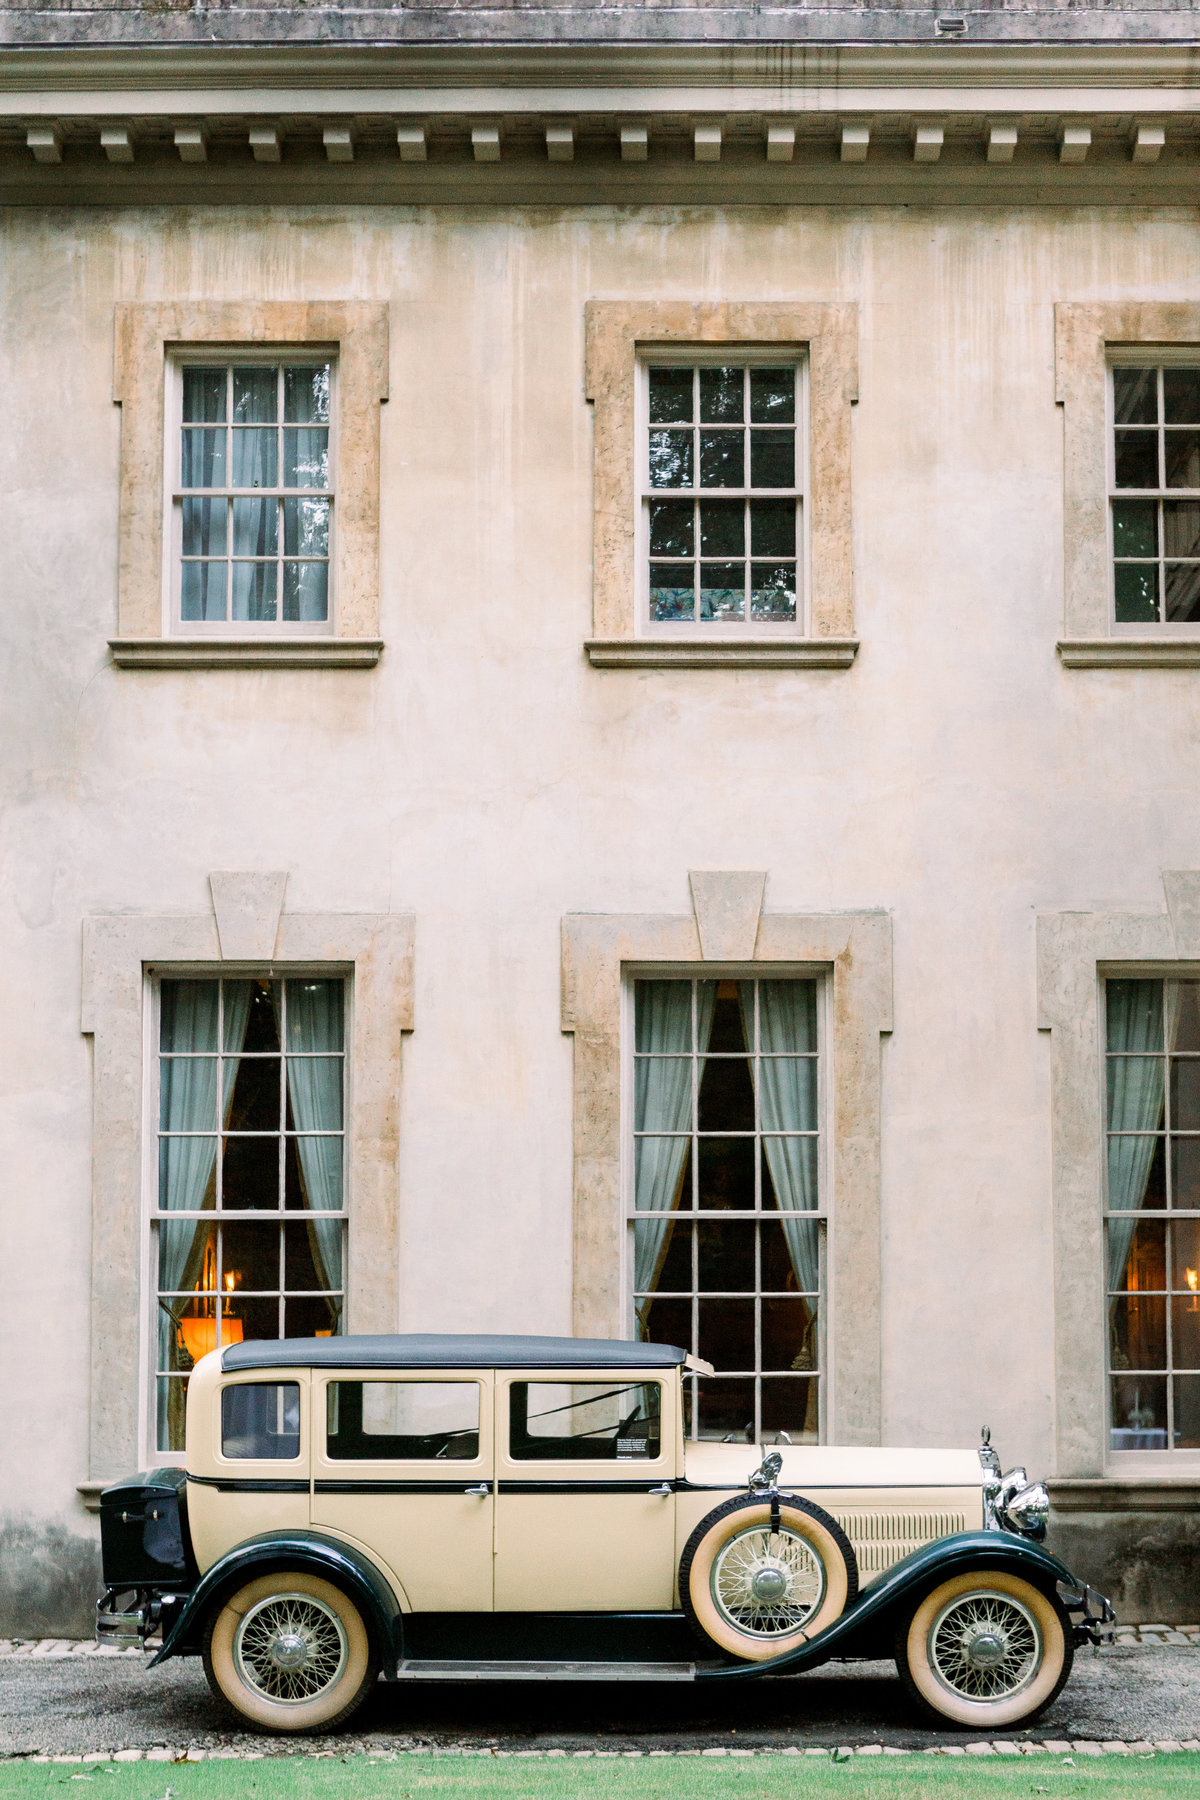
x: 249, y: 1215
x: 726, y: 1218
x: 722, y: 494
x: 553, y: 1421
x: 260, y: 1421
x: 1155, y: 493
x: 403, y: 1421
x: 1153, y: 1214
x: 252, y: 496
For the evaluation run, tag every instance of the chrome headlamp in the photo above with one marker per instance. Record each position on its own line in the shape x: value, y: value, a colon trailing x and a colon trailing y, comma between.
x: 1011, y: 1502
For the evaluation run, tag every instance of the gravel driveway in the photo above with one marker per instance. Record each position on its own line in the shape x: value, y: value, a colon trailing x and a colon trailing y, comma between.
x: 76, y: 1704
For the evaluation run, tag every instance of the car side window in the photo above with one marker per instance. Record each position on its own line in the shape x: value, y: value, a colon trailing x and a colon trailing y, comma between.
x: 260, y: 1421
x: 553, y: 1421
x: 402, y: 1421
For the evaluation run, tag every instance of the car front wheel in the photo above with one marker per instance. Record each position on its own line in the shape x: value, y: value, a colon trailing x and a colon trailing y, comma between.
x: 985, y: 1650
x: 291, y: 1652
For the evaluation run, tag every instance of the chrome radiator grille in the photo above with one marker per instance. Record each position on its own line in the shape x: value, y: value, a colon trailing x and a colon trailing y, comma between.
x: 881, y: 1539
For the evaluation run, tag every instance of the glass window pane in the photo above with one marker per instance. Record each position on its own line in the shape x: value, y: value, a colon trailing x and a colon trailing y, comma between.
x: 666, y: 1322
x: 672, y: 595
x: 722, y: 459
x: 1135, y: 526
x: 1185, y: 1172
x: 725, y: 1410
x: 663, y: 1015
x: 186, y: 1173
x: 203, y: 461
x: 204, y: 523
x: 1136, y: 459
x: 726, y: 1257
x: 1135, y: 1093
x: 789, y: 1335
x: 789, y: 1178
x: 305, y: 591
x: 773, y: 591
x: 252, y: 1015
x: 672, y: 531
x: 306, y: 395
x: 722, y: 528
x: 1185, y: 1333
x: 1181, y: 526
x: 1135, y: 1015
x: 1139, y: 1412
x: 250, y: 1252
x: 1135, y: 396
x: 661, y: 1170
x: 1185, y: 1255
x: 1137, y: 1174
x: 260, y: 1421
x: 250, y: 1174
x: 171, y: 1411
x: 255, y: 527
x: 1136, y: 593
x: 1187, y: 1412
x: 670, y: 396
x: 728, y: 1032
x: 670, y: 459
x: 188, y: 1015
x: 1137, y: 1257
x: 722, y: 395
x: 254, y: 586
x: 315, y: 1093
x: 255, y: 459
x: 313, y: 1315
x: 203, y: 396
x: 1182, y: 458
x: 726, y: 1333
x: 315, y: 1014
x: 772, y: 459
x: 312, y: 1255
x: 1181, y: 592
x: 726, y: 1173
x: 255, y: 396
x: 773, y: 527
x: 726, y: 1095
x: 1138, y: 1329
x: 786, y: 1247
x: 663, y: 1258
x: 187, y: 1095
x: 773, y: 396
x: 1184, y: 1007
x: 254, y: 1104
x: 1181, y: 396
x: 306, y: 457
x: 788, y: 1015
x: 403, y: 1421
x: 584, y: 1422
x: 722, y: 591
x: 1185, y: 1094
x: 306, y: 528
x: 790, y: 1407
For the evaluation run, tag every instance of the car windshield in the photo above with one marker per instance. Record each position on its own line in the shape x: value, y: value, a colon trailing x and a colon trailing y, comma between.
x: 570, y: 1420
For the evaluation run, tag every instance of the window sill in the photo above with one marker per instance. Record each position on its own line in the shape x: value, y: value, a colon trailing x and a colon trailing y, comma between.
x: 721, y: 653
x: 1130, y: 653
x: 245, y: 653
x: 1151, y: 1492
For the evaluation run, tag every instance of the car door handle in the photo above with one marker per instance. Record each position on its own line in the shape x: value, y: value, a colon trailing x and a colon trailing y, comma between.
x: 665, y: 1490
x: 481, y: 1492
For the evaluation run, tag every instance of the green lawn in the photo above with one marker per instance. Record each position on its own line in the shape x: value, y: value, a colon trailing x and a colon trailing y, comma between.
x: 763, y: 1777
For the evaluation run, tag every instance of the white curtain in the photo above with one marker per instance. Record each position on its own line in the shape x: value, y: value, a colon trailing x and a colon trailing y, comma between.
x: 1135, y: 1103
x: 314, y: 1023
x: 663, y: 1103
x: 787, y: 1024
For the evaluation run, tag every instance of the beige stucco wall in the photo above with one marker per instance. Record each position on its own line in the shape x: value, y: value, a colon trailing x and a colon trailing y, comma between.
x: 488, y: 781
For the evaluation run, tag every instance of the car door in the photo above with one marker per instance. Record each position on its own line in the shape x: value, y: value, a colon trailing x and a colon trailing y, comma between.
x: 585, y: 1503
x: 403, y: 1465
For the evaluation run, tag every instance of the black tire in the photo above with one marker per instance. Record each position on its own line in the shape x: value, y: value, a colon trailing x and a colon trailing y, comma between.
x: 338, y: 1658
x: 1024, y: 1633
x: 734, y: 1546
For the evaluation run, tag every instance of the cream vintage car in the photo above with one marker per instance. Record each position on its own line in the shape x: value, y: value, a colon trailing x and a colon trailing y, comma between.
x: 436, y: 1508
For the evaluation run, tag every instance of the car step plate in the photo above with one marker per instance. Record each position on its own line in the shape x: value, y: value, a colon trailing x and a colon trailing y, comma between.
x: 456, y: 1669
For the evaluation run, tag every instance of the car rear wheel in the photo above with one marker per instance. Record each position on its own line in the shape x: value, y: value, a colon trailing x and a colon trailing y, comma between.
x: 291, y: 1652
x: 985, y: 1649
x: 754, y: 1591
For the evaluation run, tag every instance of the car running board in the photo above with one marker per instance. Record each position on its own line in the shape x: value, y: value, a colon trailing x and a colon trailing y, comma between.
x: 460, y: 1669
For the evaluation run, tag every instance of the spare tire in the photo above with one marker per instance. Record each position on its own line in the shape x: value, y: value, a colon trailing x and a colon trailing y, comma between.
x: 756, y: 1592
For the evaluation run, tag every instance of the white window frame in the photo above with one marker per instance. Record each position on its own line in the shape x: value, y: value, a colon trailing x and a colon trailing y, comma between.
x: 728, y: 355
x: 820, y: 973
x: 227, y: 356
x: 1138, y: 356
x: 150, y: 1454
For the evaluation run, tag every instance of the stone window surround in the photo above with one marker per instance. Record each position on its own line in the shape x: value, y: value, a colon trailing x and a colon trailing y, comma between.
x: 617, y: 332
x: 246, y: 932
x: 146, y: 334
x: 1085, y: 333
x: 727, y: 931
x: 1075, y: 952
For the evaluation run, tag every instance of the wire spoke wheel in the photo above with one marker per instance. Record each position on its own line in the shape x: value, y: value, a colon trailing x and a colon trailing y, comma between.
x: 290, y: 1648
x: 985, y: 1646
x: 767, y: 1583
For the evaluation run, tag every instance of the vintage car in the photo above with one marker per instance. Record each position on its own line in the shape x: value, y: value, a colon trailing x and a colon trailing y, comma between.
x: 463, y: 1508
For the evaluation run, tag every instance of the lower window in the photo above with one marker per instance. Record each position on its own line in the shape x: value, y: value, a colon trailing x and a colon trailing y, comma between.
x: 249, y: 1218
x: 726, y: 1222
x: 1152, y: 1224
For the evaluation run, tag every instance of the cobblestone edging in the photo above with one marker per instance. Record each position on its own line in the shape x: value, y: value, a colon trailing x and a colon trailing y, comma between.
x: 1061, y: 1747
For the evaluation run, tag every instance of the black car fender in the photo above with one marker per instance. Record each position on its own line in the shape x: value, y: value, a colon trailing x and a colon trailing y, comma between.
x: 877, y: 1611
x: 340, y: 1563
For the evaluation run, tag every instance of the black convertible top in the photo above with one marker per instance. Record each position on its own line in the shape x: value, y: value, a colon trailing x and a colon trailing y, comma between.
x: 446, y: 1350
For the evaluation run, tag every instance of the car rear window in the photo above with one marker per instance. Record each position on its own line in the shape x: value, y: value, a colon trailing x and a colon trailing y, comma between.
x: 402, y: 1421
x: 260, y: 1421
x: 556, y: 1421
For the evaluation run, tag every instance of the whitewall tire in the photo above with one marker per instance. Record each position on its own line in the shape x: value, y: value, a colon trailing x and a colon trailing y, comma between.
x: 985, y: 1650
x: 291, y: 1652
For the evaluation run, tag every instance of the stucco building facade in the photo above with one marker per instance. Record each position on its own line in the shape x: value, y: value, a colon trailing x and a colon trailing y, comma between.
x: 600, y: 733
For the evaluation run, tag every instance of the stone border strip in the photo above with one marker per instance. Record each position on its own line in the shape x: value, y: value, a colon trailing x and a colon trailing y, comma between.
x: 1066, y: 1748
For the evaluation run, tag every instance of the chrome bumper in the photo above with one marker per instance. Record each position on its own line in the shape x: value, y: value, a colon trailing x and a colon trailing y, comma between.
x: 1093, y: 1620
x: 126, y: 1617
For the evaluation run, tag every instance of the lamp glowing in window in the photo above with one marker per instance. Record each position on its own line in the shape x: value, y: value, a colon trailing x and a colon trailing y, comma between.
x: 1190, y: 1276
